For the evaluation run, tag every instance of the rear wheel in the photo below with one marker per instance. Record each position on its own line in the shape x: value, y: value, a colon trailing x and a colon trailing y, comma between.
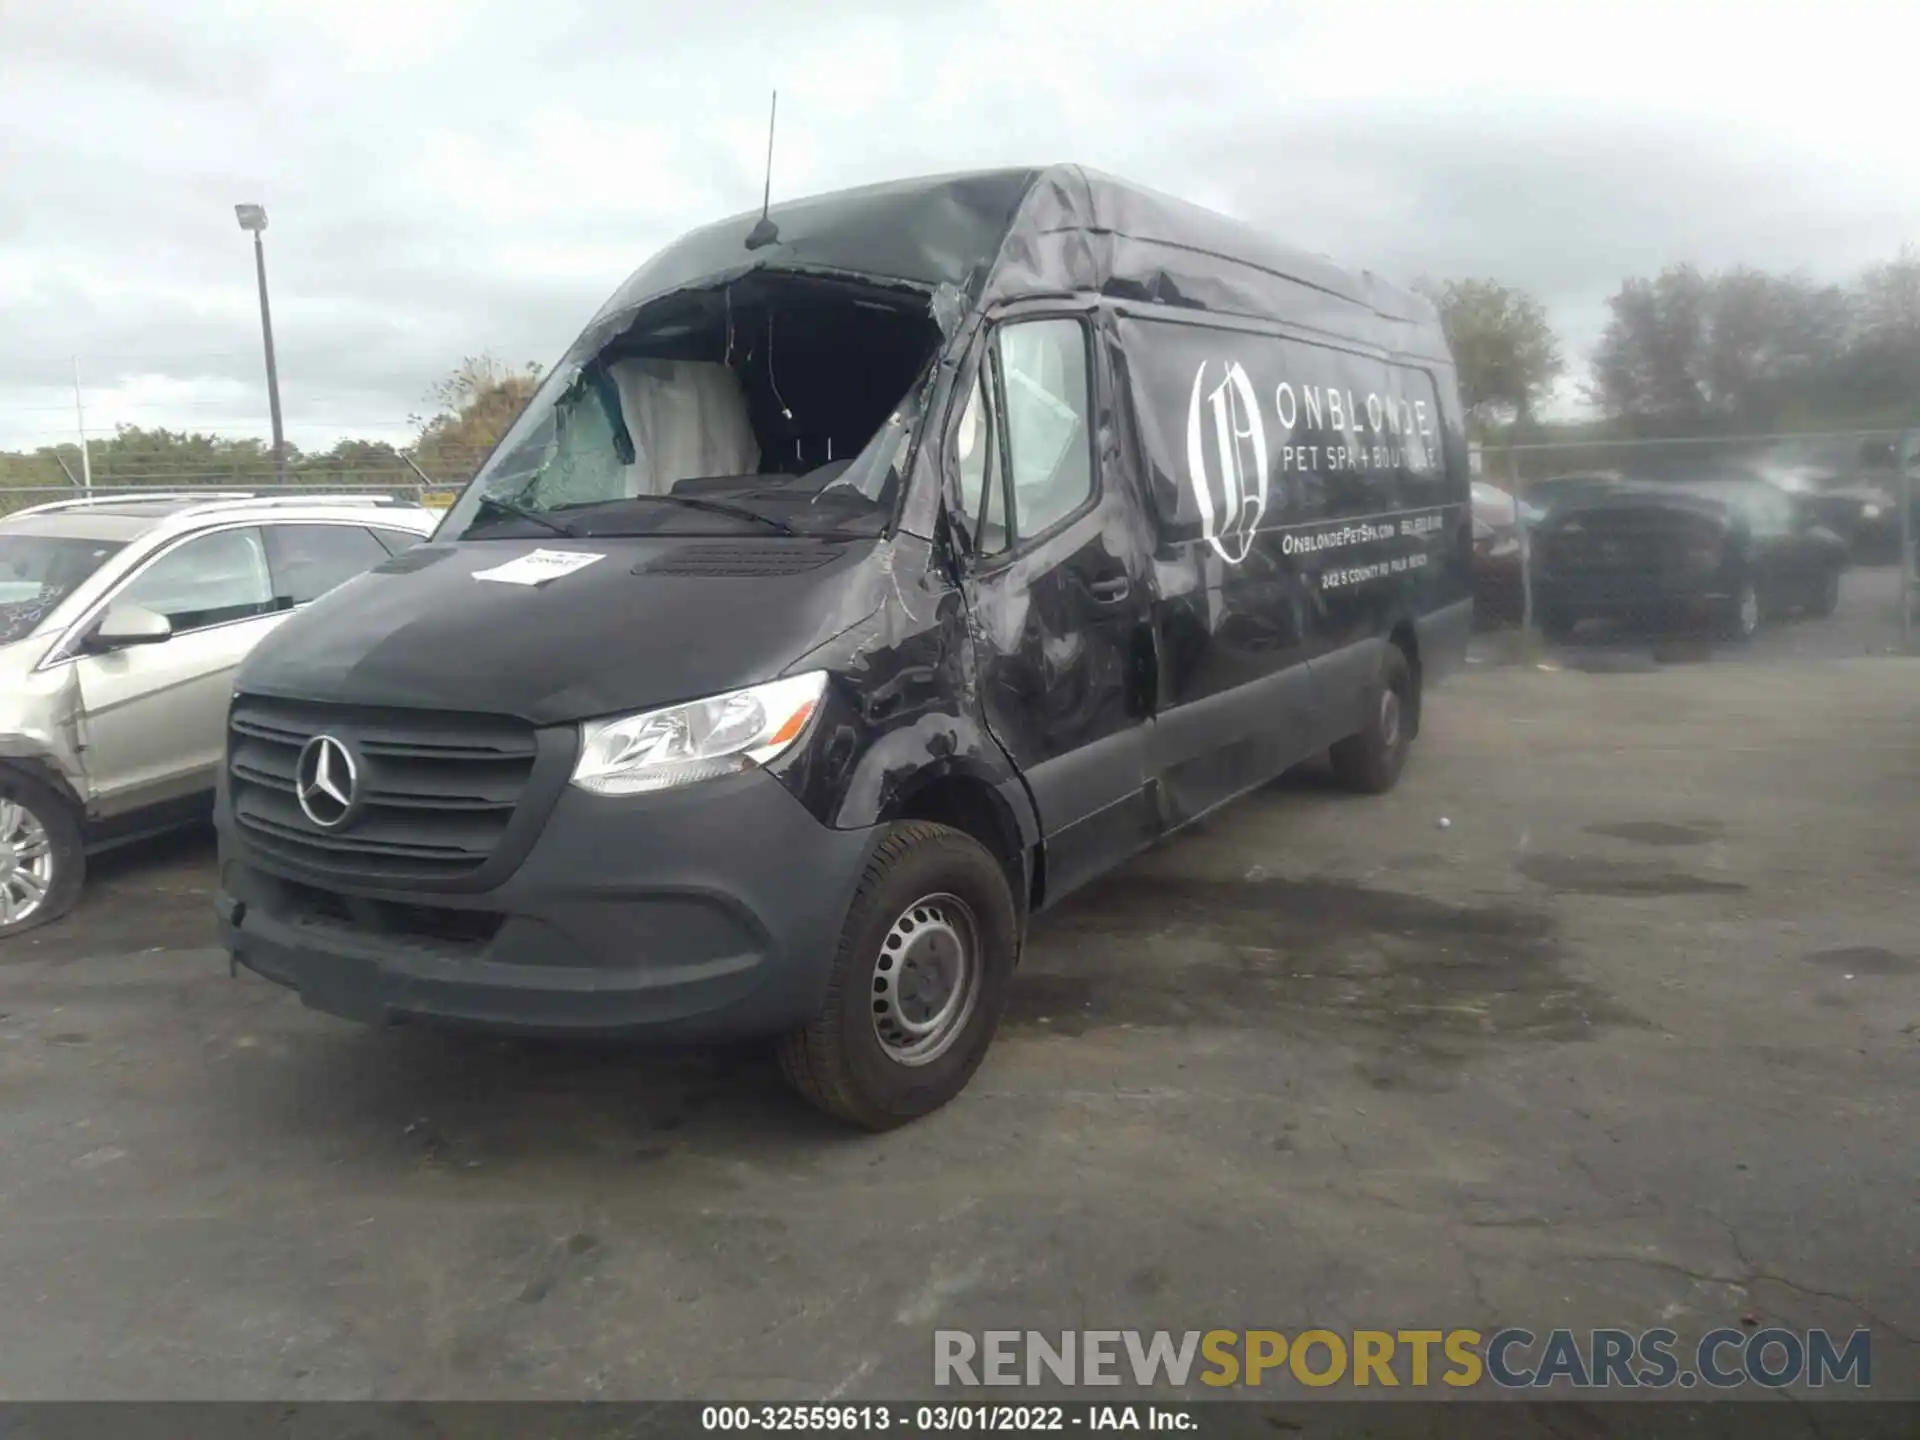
x: 1370, y: 762
x: 919, y: 981
x: 42, y: 858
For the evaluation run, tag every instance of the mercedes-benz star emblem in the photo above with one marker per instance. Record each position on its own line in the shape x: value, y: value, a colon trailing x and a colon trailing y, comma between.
x: 326, y: 782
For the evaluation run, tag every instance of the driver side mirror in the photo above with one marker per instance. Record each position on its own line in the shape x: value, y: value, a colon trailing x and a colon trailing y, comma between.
x: 125, y: 625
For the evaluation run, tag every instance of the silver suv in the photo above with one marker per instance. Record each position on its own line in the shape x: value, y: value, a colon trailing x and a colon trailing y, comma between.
x: 122, y: 620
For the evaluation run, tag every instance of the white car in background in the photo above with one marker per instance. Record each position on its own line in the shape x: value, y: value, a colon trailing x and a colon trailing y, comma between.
x: 122, y: 620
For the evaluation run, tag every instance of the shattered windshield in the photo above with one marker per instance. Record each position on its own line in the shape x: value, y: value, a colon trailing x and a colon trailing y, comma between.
x: 37, y: 572
x: 792, y: 415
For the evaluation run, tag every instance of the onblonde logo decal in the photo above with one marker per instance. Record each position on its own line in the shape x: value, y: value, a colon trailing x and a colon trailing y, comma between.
x: 1227, y: 460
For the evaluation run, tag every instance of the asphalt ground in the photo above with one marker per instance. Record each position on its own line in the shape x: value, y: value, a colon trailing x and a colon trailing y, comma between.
x: 1630, y: 1040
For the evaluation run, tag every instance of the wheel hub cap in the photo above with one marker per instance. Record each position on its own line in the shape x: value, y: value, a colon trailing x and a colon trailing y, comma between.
x: 26, y: 862
x: 1749, y: 610
x: 1389, y: 718
x: 925, y: 979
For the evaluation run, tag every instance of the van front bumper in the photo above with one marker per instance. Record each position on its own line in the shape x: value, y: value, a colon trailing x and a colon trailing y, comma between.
x: 706, y: 913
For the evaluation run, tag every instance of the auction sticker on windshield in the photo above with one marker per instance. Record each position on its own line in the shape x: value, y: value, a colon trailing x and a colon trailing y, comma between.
x: 537, y: 567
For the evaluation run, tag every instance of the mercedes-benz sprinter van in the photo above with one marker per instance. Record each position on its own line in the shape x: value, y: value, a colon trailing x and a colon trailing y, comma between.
x: 869, y: 576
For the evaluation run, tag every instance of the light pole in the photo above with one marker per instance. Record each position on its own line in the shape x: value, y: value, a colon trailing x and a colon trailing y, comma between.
x: 254, y: 218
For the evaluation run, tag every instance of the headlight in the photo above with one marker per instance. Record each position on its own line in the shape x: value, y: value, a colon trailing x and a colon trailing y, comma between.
x: 700, y: 740
x: 1869, y: 512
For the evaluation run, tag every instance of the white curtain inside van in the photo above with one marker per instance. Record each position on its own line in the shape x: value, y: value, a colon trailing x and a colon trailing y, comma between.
x: 688, y: 418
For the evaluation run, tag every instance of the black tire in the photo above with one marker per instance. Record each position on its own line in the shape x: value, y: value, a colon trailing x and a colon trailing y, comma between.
x: 1370, y: 762
x: 57, y: 820
x: 1824, y: 598
x: 839, y: 1061
x: 1739, y: 618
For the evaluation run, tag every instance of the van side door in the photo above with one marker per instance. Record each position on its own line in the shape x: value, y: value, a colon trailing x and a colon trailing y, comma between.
x: 1233, y: 613
x: 1057, y: 591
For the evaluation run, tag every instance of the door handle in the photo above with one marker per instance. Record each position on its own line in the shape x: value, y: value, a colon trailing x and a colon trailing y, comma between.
x: 1111, y: 590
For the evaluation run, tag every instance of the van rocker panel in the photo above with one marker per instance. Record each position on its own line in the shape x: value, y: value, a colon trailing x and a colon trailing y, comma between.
x: 705, y: 913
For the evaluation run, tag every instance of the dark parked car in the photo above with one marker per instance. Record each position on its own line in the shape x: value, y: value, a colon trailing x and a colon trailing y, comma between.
x: 1497, y: 580
x: 1731, y: 552
x: 1850, y: 486
x: 1542, y: 497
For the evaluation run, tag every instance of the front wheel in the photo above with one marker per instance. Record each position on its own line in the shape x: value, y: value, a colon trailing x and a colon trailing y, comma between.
x: 1370, y: 762
x: 919, y: 981
x: 42, y: 858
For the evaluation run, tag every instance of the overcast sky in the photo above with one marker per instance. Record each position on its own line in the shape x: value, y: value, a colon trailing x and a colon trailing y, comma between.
x: 445, y: 179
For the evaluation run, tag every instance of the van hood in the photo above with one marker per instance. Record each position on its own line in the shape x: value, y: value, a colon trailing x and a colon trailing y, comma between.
x: 643, y: 622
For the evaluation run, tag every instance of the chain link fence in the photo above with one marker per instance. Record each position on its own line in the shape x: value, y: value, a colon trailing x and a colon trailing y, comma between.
x: 1661, y: 536
x: 435, y: 474
x: 1656, y: 567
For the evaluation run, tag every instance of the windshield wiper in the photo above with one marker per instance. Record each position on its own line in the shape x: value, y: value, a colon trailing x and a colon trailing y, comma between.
x: 718, y: 507
x: 521, y: 512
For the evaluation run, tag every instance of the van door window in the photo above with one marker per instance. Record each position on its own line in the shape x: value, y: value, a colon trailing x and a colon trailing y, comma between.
x: 1043, y: 377
x: 982, y: 481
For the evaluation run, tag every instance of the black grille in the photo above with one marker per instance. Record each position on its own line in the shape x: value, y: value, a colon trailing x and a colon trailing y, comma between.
x: 437, y: 791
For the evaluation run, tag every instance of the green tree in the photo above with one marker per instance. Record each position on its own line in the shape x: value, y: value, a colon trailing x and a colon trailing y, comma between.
x: 1504, y: 349
x: 1883, y: 360
x: 40, y: 467
x: 1688, y: 352
x: 357, y: 462
x: 475, y: 403
x: 136, y: 455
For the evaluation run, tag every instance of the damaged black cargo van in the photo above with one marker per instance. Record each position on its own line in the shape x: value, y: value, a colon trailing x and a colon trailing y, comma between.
x: 842, y: 601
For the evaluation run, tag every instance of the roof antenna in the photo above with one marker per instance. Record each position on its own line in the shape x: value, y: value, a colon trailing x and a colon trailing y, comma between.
x: 764, y: 231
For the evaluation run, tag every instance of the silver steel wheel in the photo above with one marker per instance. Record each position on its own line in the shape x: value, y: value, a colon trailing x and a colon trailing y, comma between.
x: 1749, y: 610
x: 1389, y: 718
x: 26, y: 862
x: 926, y: 979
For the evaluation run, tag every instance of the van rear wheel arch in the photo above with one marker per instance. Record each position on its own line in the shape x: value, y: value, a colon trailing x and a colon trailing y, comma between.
x: 1370, y: 760
x: 1406, y: 639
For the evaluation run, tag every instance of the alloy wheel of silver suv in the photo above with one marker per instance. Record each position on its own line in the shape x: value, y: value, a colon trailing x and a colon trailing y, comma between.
x: 26, y: 863
x: 43, y: 860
